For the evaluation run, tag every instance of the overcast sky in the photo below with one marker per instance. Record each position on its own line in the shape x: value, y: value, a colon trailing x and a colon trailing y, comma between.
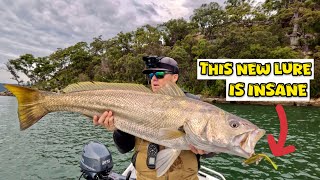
x: 40, y: 27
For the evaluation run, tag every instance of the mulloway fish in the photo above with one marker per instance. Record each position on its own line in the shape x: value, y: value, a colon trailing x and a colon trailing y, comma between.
x: 167, y: 117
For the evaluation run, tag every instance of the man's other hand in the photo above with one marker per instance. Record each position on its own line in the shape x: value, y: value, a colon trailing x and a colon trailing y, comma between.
x: 197, y: 151
x: 106, y: 120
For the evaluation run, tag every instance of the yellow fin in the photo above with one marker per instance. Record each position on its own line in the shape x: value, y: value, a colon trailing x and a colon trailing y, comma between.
x: 171, y: 89
x: 86, y: 86
x: 30, y: 109
x: 168, y: 133
x: 258, y: 157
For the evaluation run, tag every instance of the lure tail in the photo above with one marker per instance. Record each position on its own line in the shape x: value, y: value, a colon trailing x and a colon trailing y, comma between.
x: 30, y: 108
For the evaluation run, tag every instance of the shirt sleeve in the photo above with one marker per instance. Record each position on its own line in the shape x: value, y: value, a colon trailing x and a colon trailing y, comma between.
x: 124, y: 142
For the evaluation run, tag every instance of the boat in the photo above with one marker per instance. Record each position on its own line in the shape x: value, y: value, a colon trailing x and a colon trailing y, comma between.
x: 96, y: 163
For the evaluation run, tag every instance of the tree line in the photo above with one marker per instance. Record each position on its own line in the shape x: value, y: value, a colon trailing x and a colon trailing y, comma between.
x: 275, y: 29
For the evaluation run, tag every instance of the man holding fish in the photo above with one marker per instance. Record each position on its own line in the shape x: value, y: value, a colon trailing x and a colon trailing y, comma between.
x: 165, y: 116
x: 187, y: 164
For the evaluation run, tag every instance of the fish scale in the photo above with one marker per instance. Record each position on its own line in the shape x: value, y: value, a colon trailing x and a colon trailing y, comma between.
x: 125, y: 107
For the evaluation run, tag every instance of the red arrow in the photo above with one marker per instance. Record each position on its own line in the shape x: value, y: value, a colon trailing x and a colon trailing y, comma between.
x: 278, y: 149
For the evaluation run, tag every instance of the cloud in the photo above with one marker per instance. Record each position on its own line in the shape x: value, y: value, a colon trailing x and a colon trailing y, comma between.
x: 40, y: 27
x: 191, y: 4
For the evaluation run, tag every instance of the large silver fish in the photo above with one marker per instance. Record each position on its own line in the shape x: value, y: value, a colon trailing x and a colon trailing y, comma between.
x: 167, y: 117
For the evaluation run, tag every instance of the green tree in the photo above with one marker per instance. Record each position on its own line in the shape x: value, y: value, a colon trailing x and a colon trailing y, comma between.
x: 281, y: 29
x: 210, y: 18
x: 176, y: 30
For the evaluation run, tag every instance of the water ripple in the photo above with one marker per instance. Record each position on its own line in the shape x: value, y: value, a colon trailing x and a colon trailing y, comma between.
x: 51, y: 148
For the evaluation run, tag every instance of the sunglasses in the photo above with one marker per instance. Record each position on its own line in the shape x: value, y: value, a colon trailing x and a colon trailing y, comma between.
x: 159, y: 74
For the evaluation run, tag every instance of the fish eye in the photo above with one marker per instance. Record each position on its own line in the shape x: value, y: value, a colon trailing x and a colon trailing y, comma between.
x: 234, y: 124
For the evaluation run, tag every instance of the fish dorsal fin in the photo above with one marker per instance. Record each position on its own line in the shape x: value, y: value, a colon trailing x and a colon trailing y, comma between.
x: 171, y: 89
x: 86, y: 86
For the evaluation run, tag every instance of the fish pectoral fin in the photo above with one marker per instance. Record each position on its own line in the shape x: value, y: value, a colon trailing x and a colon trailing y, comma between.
x: 165, y: 159
x: 168, y: 133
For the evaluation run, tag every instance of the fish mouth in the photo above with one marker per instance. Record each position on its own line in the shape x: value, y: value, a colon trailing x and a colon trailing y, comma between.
x: 246, y: 142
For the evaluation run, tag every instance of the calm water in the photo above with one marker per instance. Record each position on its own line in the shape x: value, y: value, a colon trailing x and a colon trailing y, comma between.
x: 51, y: 148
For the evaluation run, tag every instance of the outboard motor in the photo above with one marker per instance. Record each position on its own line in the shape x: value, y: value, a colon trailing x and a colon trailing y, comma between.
x: 96, y: 161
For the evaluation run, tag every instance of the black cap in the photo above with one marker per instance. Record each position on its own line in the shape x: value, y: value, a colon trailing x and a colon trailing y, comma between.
x: 165, y: 64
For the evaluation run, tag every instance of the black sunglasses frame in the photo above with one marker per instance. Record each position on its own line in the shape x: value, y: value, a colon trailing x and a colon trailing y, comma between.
x: 154, y: 73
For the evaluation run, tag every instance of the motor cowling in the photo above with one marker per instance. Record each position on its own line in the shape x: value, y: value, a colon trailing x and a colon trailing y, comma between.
x: 96, y: 160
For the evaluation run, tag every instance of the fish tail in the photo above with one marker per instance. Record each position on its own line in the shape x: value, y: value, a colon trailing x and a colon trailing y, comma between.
x: 30, y: 108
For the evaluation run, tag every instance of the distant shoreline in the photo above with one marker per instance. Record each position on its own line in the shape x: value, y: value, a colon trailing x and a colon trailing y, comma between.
x: 6, y: 93
x: 313, y: 102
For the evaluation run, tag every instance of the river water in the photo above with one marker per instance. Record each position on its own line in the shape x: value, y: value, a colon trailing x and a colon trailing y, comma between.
x: 51, y: 148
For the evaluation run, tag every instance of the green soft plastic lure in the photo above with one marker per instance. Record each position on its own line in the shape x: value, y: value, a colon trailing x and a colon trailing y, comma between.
x: 257, y: 158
